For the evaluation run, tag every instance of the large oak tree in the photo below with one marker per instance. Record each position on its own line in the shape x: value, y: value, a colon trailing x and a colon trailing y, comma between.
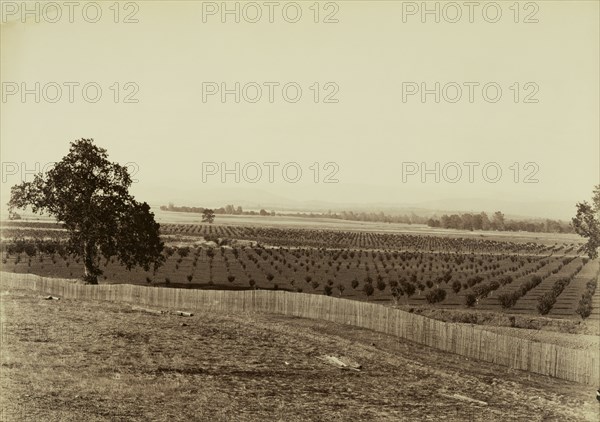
x: 90, y: 196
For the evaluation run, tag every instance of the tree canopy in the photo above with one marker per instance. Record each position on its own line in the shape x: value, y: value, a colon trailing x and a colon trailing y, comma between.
x: 90, y: 196
x: 587, y: 223
x: 208, y: 216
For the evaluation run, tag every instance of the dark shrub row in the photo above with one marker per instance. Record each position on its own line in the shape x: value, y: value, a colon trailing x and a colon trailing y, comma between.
x: 470, y: 299
x: 585, y: 303
x: 483, y: 290
x: 508, y: 300
x: 436, y: 295
x: 548, y: 299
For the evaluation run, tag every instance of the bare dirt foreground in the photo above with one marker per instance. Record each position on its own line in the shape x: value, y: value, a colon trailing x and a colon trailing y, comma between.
x: 71, y: 360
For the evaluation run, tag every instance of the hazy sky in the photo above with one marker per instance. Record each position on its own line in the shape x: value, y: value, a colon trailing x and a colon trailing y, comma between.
x: 374, y: 54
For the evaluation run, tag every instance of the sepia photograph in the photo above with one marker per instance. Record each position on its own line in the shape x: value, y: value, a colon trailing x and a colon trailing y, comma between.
x: 297, y: 211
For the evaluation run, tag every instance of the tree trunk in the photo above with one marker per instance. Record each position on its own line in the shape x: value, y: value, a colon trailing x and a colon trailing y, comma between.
x: 91, y: 270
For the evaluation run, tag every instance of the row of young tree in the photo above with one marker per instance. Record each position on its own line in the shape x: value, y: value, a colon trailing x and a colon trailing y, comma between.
x: 498, y: 222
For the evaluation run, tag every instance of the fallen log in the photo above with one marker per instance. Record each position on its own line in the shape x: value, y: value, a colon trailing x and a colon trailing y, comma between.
x: 51, y: 298
x: 181, y: 313
x: 332, y: 360
x: 350, y: 362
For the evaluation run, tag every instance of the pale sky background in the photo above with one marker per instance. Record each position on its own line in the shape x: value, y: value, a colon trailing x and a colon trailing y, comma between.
x: 368, y: 133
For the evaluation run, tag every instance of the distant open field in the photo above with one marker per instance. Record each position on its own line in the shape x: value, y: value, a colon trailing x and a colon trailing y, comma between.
x: 337, y: 224
x: 75, y: 360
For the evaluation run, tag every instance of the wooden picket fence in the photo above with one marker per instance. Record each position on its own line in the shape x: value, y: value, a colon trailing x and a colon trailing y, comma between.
x: 581, y: 366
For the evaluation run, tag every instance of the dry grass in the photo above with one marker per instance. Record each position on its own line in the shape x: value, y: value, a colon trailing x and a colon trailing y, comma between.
x: 74, y: 360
